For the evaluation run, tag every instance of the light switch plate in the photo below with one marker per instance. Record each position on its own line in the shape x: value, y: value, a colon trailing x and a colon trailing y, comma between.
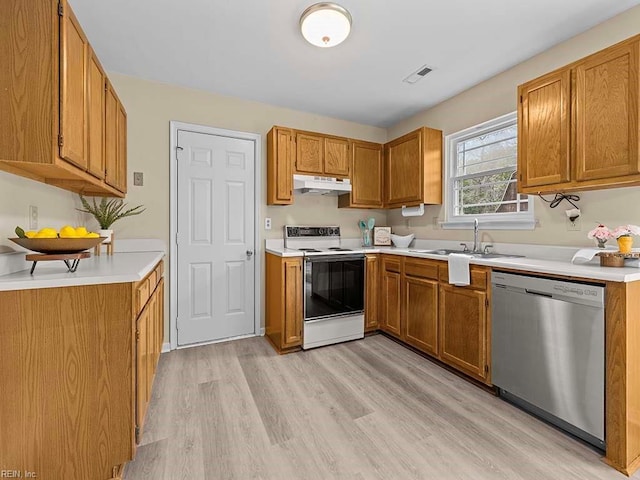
x: 33, y: 217
x: 138, y: 179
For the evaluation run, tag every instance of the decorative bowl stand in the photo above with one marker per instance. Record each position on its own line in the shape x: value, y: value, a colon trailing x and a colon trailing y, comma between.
x: 615, y: 259
x: 98, y: 248
x: 71, y: 260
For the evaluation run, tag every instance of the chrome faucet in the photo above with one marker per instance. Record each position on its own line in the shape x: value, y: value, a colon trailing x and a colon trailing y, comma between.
x: 476, y: 243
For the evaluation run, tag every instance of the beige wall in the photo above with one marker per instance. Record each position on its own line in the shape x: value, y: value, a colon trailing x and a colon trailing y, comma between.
x: 56, y: 207
x: 151, y: 106
x: 497, y: 96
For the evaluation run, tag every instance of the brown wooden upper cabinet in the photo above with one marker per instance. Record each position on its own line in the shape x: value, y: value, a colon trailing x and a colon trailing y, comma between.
x: 292, y: 152
x: 74, y: 109
x: 366, y: 176
x: 544, y: 131
x: 413, y: 169
x: 321, y: 155
x: 406, y: 171
x: 280, y: 158
x: 57, y: 133
x: 115, y: 141
x: 578, y: 126
x: 309, y: 159
x: 96, y: 81
x: 336, y: 157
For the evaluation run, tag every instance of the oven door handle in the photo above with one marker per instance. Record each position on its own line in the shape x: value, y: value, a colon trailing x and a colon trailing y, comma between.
x: 333, y: 317
x: 333, y: 258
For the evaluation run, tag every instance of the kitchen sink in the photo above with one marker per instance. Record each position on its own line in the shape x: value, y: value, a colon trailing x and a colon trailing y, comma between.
x: 446, y: 251
x: 496, y: 255
x: 441, y: 251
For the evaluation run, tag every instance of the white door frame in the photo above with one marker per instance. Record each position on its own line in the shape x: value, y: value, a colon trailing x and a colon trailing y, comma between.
x: 256, y: 138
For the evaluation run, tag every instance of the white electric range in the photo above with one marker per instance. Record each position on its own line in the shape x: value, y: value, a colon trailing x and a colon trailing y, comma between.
x: 333, y: 285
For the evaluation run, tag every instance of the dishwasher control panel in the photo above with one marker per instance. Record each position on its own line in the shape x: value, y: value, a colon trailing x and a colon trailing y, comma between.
x: 550, y: 287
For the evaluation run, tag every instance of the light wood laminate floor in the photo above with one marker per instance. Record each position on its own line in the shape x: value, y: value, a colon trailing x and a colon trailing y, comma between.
x: 369, y: 409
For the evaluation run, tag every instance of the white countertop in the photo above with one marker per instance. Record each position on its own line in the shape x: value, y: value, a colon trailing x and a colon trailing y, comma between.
x: 117, y: 268
x: 538, y: 259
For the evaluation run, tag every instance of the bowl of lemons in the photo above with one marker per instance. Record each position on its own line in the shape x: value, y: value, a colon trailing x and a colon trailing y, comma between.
x: 48, y: 240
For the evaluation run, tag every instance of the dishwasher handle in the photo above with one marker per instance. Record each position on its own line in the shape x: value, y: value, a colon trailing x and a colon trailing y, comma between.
x: 540, y: 294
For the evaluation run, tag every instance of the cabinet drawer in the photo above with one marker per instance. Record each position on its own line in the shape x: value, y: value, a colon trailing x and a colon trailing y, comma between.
x: 159, y: 271
x: 142, y: 294
x: 392, y: 264
x: 153, y: 281
x: 416, y: 267
x: 478, y: 276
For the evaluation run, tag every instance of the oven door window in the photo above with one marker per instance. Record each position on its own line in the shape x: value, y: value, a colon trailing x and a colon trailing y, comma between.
x: 333, y: 287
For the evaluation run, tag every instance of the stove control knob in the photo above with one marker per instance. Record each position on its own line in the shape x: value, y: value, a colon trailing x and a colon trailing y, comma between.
x: 321, y: 231
x: 293, y: 232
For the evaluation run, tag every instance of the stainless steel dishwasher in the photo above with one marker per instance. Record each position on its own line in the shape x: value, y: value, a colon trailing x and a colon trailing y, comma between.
x: 548, y: 350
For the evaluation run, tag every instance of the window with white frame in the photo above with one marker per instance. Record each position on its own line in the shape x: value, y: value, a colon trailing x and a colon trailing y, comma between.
x: 482, y: 176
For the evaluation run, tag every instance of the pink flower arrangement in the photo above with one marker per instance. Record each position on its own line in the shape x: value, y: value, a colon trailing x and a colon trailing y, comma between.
x: 625, y: 231
x: 600, y: 233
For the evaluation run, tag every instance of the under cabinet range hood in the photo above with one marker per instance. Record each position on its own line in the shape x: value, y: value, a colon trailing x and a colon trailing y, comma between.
x: 315, y: 185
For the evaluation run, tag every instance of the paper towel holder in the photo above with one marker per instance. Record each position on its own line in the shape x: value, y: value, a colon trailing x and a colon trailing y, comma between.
x: 413, y: 211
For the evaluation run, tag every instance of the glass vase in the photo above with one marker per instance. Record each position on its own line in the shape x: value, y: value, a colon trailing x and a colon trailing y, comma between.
x: 366, y: 237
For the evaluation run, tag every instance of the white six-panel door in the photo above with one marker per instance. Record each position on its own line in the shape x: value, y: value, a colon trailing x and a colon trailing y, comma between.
x: 215, y: 220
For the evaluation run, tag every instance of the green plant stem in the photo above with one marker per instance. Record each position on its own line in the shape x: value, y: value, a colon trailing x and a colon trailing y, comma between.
x: 107, y: 212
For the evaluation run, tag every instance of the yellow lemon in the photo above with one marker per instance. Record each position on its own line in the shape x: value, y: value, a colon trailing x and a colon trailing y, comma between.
x: 30, y: 234
x: 46, y: 233
x: 68, y: 232
x: 81, y: 231
x: 92, y: 235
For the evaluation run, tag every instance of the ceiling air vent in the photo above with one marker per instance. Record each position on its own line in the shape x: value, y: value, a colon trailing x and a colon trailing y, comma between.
x: 418, y: 75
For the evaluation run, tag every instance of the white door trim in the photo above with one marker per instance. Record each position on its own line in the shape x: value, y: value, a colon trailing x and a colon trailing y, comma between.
x: 256, y: 138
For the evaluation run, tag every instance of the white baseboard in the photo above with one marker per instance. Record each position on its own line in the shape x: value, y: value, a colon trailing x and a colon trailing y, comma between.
x: 166, y: 347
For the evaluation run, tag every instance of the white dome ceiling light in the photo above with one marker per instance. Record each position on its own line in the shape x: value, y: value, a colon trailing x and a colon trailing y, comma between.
x: 325, y: 24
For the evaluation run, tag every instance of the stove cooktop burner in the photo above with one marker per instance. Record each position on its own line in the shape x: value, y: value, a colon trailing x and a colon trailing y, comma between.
x: 311, y: 250
x: 340, y: 249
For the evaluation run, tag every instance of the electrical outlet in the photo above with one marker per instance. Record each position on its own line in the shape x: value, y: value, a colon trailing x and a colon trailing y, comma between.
x: 436, y: 223
x: 267, y: 223
x: 574, y: 226
x: 33, y: 217
x: 138, y: 179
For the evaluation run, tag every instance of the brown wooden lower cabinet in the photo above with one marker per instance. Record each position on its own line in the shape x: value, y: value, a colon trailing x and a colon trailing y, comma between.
x: 149, y: 337
x: 421, y: 314
x: 391, y: 296
x: 371, y: 297
x: 463, y: 330
x: 420, y: 308
x: 71, y: 380
x: 284, y: 297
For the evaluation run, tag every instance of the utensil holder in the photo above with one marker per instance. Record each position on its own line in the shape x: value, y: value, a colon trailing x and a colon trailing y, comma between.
x: 366, y: 237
